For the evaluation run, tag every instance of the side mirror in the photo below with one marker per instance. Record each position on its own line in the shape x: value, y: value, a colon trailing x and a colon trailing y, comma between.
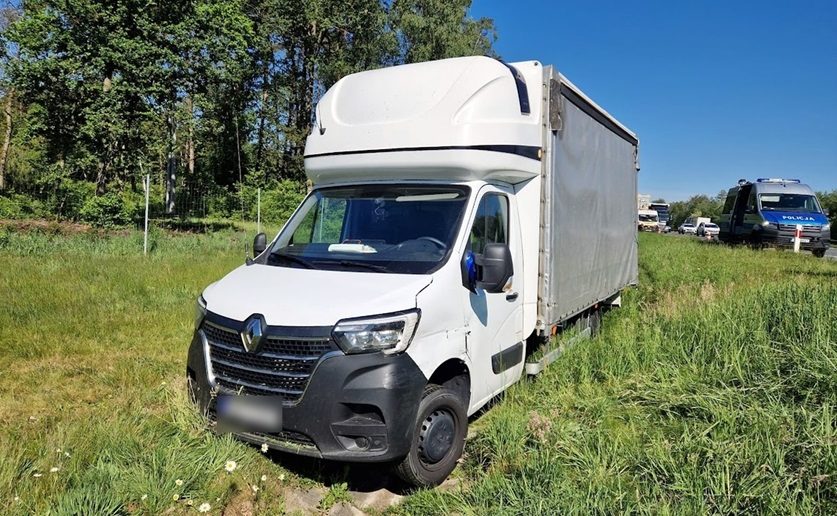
x: 826, y: 212
x: 495, y: 267
x: 259, y: 244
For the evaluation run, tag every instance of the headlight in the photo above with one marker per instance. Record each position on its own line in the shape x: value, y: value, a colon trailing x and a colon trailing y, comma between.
x: 200, y: 310
x: 826, y: 227
x: 387, y: 333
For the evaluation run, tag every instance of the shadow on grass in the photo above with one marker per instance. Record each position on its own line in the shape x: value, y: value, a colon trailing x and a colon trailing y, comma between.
x: 359, y: 477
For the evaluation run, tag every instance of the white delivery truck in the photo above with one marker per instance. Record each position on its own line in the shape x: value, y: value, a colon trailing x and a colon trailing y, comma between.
x: 460, y: 208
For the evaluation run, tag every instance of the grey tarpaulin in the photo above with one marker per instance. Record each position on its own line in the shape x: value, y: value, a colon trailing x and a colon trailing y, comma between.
x: 589, y: 248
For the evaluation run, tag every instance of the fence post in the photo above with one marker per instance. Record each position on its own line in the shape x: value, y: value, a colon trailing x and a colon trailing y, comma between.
x: 797, y: 238
x: 259, y: 210
x: 145, y: 236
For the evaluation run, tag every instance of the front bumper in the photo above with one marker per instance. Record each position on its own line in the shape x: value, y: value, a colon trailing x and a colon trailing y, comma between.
x: 784, y: 237
x: 355, y: 408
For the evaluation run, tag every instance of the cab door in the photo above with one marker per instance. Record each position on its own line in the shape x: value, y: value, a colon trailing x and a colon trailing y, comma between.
x: 742, y: 207
x: 495, y: 320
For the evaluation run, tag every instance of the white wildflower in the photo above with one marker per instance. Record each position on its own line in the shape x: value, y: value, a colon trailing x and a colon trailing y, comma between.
x: 178, y: 482
x: 281, y: 477
x: 264, y: 447
x: 264, y: 478
x: 144, y: 497
x: 230, y: 466
x: 66, y: 454
x: 53, y: 469
x: 175, y: 497
x: 58, y: 450
x: 189, y: 502
x: 255, y: 489
x: 204, y: 507
x: 17, y: 498
x: 37, y: 475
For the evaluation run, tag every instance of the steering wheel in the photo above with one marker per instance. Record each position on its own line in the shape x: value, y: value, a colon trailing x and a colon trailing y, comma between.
x: 432, y: 240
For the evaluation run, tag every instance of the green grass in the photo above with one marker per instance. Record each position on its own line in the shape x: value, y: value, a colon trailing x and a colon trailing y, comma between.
x: 714, y: 389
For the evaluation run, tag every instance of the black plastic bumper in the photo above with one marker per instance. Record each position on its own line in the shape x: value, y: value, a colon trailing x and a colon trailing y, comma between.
x: 356, y: 408
x: 784, y: 239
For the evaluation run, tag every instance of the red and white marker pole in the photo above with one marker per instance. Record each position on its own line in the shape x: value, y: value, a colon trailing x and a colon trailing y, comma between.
x: 797, y: 238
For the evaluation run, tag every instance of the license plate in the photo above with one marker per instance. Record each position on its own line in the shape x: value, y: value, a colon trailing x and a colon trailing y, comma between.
x: 249, y: 413
x: 801, y: 240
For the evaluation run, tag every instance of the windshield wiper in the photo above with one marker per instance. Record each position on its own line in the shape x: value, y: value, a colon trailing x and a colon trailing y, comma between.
x: 291, y: 258
x: 371, y: 266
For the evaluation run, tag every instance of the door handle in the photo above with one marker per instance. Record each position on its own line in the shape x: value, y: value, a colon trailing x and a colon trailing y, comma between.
x: 511, y: 297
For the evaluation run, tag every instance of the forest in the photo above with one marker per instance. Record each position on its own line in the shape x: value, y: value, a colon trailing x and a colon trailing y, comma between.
x: 211, y: 98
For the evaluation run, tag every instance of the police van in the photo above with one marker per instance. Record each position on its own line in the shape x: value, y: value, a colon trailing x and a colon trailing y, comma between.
x: 766, y: 213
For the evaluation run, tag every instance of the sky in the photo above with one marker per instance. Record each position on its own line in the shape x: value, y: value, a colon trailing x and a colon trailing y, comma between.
x: 715, y: 90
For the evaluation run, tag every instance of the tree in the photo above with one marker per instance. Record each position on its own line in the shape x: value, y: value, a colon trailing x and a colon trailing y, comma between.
x: 697, y: 206
x: 436, y: 29
x: 8, y: 54
x: 223, y: 89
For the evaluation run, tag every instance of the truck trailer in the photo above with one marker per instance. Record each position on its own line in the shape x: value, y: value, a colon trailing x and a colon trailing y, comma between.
x: 460, y: 209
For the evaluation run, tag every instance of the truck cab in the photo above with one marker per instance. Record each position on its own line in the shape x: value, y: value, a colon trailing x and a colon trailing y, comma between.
x: 767, y: 212
x: 648, y: 220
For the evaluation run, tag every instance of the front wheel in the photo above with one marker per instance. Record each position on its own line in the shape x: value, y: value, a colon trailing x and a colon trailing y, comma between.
x: 819, y: 253
x: 438, y: 438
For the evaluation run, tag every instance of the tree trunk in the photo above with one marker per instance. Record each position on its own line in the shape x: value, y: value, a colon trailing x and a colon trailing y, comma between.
x: 7, y: 137
x: 260, y: 137
x: 171, y: 166
x: 190, y: 144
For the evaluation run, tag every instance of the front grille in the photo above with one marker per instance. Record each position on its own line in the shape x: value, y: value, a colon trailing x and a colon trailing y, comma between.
x: 808, y: 231
x: 284, y: 439
x: 281, y: 366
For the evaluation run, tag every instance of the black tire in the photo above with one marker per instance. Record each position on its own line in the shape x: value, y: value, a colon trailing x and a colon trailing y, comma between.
x: 755, y: 241
x: 443, y: 422
x: 819, y: 253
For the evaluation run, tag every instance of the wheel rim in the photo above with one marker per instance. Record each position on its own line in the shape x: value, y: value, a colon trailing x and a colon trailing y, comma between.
x: 436, y: 436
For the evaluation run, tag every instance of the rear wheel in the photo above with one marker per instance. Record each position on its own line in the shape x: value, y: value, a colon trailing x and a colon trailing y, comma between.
x: 594, y: 321
x: 756, y: 241
x: 438, y: 438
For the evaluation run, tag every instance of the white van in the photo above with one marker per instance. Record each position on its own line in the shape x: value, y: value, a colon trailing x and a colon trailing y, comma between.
x: 461, y: 208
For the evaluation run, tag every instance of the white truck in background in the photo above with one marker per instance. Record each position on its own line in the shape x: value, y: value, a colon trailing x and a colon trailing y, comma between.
x: 697, y: 221
x: 648, y: 220
x: 461, y: 208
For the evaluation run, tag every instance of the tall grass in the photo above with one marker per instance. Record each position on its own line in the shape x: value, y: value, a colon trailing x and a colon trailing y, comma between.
x: 720, y: 399
x: 714, y: 389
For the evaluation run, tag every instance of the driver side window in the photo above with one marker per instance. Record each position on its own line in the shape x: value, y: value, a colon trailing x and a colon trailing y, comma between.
x: 751, y: 202
x: 491, y: 224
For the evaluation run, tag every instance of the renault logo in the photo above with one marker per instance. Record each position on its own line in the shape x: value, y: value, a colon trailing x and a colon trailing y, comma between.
x: 251, y: 337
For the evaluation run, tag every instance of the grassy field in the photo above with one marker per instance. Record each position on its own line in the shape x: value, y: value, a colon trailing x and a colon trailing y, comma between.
x: 714, y: 389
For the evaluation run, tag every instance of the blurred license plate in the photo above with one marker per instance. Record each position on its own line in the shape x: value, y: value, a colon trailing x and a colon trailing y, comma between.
x: 801, y: 240
x: 249, y: 413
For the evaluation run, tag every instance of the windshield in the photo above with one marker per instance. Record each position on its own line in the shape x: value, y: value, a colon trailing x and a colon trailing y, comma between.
x: 648, y: 218
x: 789, y: 202
x: 662, y: 211
x: 373, y: 228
